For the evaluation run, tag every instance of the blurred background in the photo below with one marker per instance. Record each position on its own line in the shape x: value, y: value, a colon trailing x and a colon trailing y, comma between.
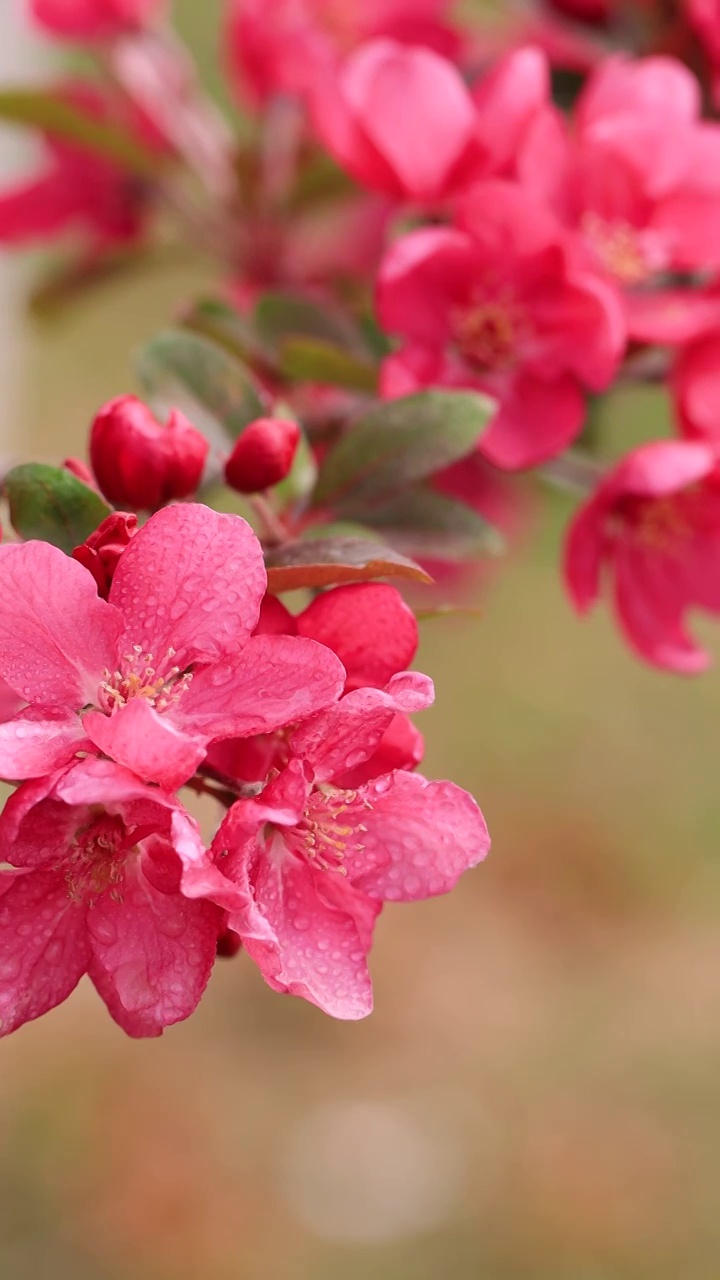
x: 536, y: 1095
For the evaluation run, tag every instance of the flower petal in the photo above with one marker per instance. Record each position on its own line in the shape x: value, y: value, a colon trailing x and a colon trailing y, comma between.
x: 38, y: 741
x: 416, y: 837
x: 308, y: 939
x: 368, y: 625
x: 56, y: 635
x: 43, y: 947
x: 276, y: 680
x: 152, y: 954
x: 149, y: 744
x: 192, y: 581
x: 536, y: 420
x: 348, y: 733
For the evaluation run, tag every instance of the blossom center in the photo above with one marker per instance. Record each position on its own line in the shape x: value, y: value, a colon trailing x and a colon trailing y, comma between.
x: 661, y: 525
x: 619, y: 247
x: 487, y: 332
x: 324, y: 835
x: 96, y: 859
x: 140, y: 676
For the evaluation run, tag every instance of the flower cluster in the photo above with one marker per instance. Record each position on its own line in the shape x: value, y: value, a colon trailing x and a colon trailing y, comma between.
x: 443, y: 248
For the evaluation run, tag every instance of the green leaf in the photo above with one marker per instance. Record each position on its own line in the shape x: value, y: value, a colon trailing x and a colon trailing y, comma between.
x: 51, y: 504
x: 421, y: 522
x: 329, y: 562
x: 279, y: 316
x: 215, y: 319
x: 63, y: 120
x: 217, y: 392
x: 315, y: 360
x: 398, y: 443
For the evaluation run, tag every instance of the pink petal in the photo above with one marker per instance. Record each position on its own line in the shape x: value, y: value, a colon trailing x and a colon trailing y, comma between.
x: 10, y: 702
x: 671, y: 316
x: 38, y: 210
x: 584, y: 550
x: 35, y: 828
x: 56, y: 635
x: 422, y: 274
x: 43, y: 947
x: 152, y: 954
x: 415, y: 838
x: 308, y: 932
x: 402, y: 746
x: 650, y: 610
x: 275, y: 681
x: 38, y: 741
x: 659, y: 86
x: 192, y: 581
x: 660, y: 468
x: 536, y: 420
x: 348, y: 733
x: 507, y: 100
x: 149, y: 744
x: 340, y: 129
x: 415, y: 109
x: 368, y: 625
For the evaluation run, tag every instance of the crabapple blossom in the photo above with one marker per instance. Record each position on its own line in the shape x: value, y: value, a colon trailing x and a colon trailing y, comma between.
x: 139, y: 462
x: 164, y: 666
x: 401, y: 120
x: 695, y: 386
x: 653, y: 524
x: 94, y: 861
x: 90, y: 20
x: 503, y: 301
x: 303, y: 869
x: 636, y: 171
x: 77, y: 190
x: 281, y: 48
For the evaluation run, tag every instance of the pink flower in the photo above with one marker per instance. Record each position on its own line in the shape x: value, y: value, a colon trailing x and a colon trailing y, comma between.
x: 163, y: 667
x: 142, y: 463
x: 695, y: 387
x: 93, y: 19
x: 654, y: 525
x: 282, y: 47
x: 401, y: 120
x: 637, y: 172
x: 97, y: 860
x: 77, y: 190
x: 503, y: 302
x: 304, y: 869
x: 374, y: 633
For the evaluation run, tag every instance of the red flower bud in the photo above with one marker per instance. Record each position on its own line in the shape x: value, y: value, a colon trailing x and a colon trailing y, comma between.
x: 93, y: 19
x: 140, y: 463
x: 228, y: 944
x: 263, y: 455
x: 102, y: 550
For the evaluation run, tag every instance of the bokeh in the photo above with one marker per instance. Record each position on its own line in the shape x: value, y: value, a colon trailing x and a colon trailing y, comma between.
x: 535, y: 1096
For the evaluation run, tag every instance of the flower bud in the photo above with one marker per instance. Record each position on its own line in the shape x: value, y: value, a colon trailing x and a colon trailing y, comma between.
x: 140, y: 463
x: 91, y: 20
x: 80, y: 470
x: 102, y: 550
x: 263, y: 455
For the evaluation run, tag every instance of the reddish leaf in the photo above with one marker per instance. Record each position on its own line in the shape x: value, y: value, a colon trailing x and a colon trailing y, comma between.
x: 329, y: 562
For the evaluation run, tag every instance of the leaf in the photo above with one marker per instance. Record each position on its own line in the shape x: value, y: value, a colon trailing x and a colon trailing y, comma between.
x: 400, y: 442
x: 328, y: 562
x: 315, y: 360
x: 422, y: 522
x: 279, y: 316
x: 51, y: 504
x: 215, y: 319
x: 217, y: 392
x: 58, y: 117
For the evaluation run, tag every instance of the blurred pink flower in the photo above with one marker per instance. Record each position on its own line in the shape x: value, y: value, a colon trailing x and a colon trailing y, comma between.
x: 97, y: 859
x: 151, y: 676
x: 653, y: 525
x: 401, y: 120
x: 93, y: 20
x: 504, y: 302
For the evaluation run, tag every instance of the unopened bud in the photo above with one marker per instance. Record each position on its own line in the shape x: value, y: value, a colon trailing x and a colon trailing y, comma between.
x: 93, y: 19
x: 102, y: 550
x: 263, y: 455
x: 140, y: 463
x: 80, y: 470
